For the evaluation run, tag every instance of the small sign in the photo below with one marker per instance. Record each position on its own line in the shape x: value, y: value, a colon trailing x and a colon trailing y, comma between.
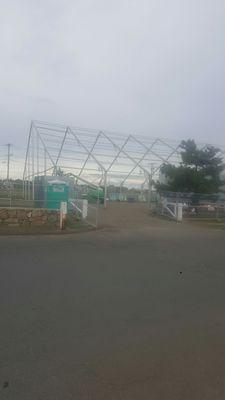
x: 58, y: 189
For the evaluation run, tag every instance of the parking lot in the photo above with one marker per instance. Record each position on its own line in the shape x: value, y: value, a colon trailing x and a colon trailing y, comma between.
x: 133, y: 311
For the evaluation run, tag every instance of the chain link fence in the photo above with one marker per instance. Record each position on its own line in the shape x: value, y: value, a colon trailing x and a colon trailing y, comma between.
x: 84, y: 201
x: 195, y: 205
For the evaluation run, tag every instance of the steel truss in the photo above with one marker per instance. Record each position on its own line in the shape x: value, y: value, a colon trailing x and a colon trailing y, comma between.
x: 99, y: 157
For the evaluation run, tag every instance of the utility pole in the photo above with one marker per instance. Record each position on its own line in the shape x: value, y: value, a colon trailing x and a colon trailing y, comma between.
x: 9, y: 145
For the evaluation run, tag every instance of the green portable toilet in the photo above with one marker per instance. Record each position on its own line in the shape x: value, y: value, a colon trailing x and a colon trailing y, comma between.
x: 57, y: 191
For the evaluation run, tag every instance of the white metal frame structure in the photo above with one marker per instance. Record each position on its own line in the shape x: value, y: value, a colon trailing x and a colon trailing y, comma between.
x: 99, y: 157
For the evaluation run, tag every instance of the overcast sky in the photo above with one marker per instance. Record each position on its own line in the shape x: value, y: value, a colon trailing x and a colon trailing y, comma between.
x: 155, y: 67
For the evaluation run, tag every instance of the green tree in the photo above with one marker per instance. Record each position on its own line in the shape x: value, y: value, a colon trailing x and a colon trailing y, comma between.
x: 199, y: 171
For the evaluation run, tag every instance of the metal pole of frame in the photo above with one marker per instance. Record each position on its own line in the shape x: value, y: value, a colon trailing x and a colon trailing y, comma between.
x: 150, y: 187
x: 33, y: 161
x: 142, y: 192
x: 120, y: 194
x: 97, y: 211
x: 105, y: 190
x: 8, y: 160
x: 45, y: 177
x: 37, y: 153
x: 28, y: 173
x: 149, y: 191
x: 24, y: 190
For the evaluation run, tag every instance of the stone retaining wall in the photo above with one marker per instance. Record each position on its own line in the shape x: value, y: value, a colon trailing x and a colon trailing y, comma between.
x: 27, y: 216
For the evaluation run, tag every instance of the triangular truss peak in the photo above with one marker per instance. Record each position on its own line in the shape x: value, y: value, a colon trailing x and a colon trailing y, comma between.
x: 91, y: 154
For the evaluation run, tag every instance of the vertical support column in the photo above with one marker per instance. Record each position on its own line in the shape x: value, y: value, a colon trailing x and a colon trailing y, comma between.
x: 8, y: 160
x: 150, y: 187
x: 45, y: 180
x: 28, y: 173
x: 105, y: 189
x: 97, y: 211
x: 149, y: 191
x: 142, y: 197
x: 37, y: 154
x: 120, y: 194
x: 33, y: 155
x: 24, y: 189
x: 9, y: 184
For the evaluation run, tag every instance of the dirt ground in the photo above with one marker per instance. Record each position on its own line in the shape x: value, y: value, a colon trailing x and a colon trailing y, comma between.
x: 131, y: 216
x: 133, y: 311
x: 121, y: 215
x: 117, y: 216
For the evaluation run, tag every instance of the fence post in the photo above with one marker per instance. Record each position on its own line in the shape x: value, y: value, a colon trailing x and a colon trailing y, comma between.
x: 63, y: 214
x: 179, y: 212
x: 163, y: 204
x: 84, y: 209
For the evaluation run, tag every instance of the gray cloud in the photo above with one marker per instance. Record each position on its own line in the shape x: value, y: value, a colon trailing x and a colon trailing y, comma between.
x: 150, y: 66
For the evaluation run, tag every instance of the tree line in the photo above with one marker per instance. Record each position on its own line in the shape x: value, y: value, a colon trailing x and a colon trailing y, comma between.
x: 200, y: 170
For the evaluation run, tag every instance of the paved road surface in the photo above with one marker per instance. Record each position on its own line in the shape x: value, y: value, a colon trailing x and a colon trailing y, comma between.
x: 133, y: 315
